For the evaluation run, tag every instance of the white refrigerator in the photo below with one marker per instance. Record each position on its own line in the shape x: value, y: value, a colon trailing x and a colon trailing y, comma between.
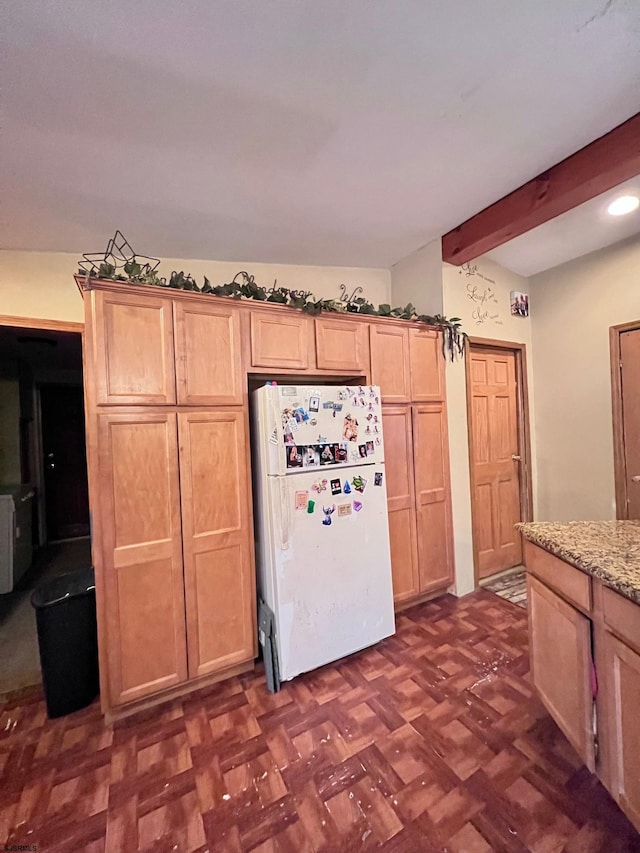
x: 323, y: 559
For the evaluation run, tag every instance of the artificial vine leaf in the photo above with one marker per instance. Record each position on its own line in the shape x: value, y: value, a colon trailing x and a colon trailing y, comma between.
x: 244, y: 286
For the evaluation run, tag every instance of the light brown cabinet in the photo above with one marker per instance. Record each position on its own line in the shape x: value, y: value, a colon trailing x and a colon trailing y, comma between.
x: 132, y: 358
x: 398, y: 443
x: 342, y: 345
x: 576, y: 624
x: 174, y: 485
x: 158, y: 351
x: 560, y: 650
x: 280, y: 339
x: 208, y: 354
x: 433, y: 496
x: 139, y: 574
x: 217, y: 534
x: 170, y: 487
x: 622, y: 728
x: 390, y: 362
x: 426, y: 364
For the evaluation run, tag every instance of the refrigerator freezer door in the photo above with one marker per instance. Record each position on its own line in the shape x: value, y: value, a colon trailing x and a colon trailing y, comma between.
x: 325, y: 426
x: 331, y: 566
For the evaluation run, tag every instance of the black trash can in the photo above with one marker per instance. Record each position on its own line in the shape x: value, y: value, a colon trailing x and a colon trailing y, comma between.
x: 68, y: 641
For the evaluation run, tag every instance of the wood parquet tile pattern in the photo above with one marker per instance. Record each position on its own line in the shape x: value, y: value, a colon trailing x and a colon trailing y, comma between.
x: 430, y: 741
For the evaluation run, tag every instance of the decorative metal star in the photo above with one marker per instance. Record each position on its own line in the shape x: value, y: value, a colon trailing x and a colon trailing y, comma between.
x: 118, y: 253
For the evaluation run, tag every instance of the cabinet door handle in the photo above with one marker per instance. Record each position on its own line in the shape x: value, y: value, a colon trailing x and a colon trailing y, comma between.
x: 636, y: 479
x: 516, y: 458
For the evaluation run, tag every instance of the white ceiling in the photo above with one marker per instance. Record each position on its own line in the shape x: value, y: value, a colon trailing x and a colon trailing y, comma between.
x: 579, y: 231
x: 343, y: 132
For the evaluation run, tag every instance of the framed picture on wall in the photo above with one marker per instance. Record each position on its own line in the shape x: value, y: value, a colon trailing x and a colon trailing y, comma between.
x: 519, y: 304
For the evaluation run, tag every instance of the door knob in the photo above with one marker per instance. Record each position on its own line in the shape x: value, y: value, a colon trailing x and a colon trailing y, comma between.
x: 636, y: 479
x: 516, y: 458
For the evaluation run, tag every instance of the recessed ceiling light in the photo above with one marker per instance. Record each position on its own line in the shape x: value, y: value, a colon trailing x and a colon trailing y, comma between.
x: 624, y: 204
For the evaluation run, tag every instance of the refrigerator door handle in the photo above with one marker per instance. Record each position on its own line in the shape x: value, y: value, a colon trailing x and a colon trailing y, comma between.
x: 276, y: 428
x: 285, y: 511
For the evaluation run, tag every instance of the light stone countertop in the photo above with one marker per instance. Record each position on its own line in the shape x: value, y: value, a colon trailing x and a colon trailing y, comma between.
x: 608, y: 550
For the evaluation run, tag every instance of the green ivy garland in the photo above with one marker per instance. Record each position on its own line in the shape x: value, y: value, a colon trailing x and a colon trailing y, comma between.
x: 454, y: 339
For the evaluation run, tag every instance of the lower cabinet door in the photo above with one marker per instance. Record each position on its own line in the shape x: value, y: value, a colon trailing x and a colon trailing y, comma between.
x: 217, y: 540
x: 396, y: 424
x: 622, y: 725
x: 560, y: 649
x: 433, y: 496
x: 141, y: 584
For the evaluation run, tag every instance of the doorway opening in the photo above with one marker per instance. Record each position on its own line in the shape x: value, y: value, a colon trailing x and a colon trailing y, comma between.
x: 43, y: 479
x: 625, y: 398
x: 499, y: 453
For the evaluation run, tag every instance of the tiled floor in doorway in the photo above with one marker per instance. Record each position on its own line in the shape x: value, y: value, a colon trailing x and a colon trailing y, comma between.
x: 19, y: 661
x: 430, y: 741
x: 512, y: 587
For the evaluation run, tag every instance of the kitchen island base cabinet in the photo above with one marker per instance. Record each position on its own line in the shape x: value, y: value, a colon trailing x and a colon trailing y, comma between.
x: 560, y: 650
x: 622, y: 723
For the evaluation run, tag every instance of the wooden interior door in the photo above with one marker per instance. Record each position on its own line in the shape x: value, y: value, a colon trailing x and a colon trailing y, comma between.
x: 398, y: 444
x: 208, y: 354
x: 390, y: 362
x: 66, y: 491
x: 495, y: 459
x: 560, y: 652
x: 623, y: 723
x: 133, y: 349
x: 217, y: 534
x: 142, y: 554
x: 433, y: 496
x: 427, y: 365
x: 630, y: 392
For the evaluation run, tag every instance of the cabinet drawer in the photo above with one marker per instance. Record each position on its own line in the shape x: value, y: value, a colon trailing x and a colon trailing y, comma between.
x: 622, y: 616
x: 570, y: 582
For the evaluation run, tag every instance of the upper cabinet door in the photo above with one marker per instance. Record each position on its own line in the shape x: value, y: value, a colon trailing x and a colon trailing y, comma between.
x: 341, y: 345
x: 280, y: 339
x: 427, y: 366
x: 390, y: 362
x: 218, y: 540
x: 433, y: 496
x: 396, y: 423
x: 141, y: 582
x: 208, y: 353
x: 133, y: 346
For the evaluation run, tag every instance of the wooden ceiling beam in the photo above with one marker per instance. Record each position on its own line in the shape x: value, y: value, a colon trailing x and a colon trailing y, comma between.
x: 596, y: 168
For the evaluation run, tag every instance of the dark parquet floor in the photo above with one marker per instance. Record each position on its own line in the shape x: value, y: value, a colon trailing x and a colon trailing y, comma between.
x: 431, y: 741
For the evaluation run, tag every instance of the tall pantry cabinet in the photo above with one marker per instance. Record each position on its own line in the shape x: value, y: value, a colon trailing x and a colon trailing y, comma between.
x: 407, y: 364
x: 170, y: 492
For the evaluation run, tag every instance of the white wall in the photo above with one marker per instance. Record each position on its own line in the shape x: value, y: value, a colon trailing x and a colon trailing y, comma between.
x: 478, y: 293
x: 573, y: 306
x: 41, y: 285
x: 418, y: 279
